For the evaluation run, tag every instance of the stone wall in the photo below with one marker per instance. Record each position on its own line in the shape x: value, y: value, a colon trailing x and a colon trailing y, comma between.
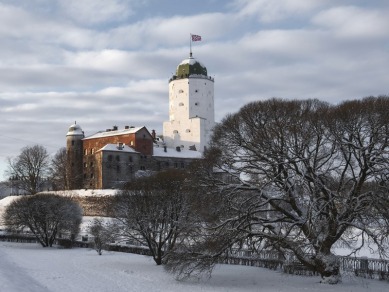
x: 95, y: 205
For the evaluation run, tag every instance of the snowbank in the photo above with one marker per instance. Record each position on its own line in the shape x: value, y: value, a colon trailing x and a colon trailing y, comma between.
x: 85, y: 193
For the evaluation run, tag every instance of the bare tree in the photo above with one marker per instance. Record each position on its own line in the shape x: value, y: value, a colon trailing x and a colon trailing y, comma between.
x: 59, y: 170
x: 153, y: 211
x: 29, y: 168
x: 102, y: 234
x: 45, y: 215
x: 305, y: 176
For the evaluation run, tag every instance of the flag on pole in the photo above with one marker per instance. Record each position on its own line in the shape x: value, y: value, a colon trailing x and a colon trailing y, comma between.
x: 196, y: 38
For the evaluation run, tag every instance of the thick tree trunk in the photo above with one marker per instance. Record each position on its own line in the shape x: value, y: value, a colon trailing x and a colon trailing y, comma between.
x: 328, y: 265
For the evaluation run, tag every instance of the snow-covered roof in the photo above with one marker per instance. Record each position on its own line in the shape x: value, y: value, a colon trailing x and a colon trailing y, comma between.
x: 172, y: 152
x: 113, y: 133
x: 75, y: 130
x: 190, y: 61
x: 115, y: 147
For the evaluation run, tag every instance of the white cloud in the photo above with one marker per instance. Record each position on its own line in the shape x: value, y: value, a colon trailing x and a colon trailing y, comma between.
x: 354, y: 22
x: 274, y: 10
x: 96, y: 11
x: 161, y: 32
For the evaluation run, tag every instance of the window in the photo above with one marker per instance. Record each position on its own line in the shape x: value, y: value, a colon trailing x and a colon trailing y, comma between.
x: 85, y: 165
x: 130, y: 158
x: 175, y: 165
x: 142, y: 168
x: 182, y: 165
x: 91, y: 175
x: 117, y: 158
x: 86, y: 151
x: 196, y: 90
x: 72, y: 142
x: 91, y: 164
x: 109, y: 157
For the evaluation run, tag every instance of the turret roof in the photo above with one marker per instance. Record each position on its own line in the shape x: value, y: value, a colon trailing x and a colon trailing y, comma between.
x: 75, y: 130
x: 190, y: 66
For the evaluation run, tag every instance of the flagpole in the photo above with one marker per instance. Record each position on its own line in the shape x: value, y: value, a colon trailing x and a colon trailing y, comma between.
x: 190, y: 45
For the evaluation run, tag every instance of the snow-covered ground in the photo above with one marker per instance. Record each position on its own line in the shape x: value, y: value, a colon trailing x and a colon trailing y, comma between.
x: 31, y: 268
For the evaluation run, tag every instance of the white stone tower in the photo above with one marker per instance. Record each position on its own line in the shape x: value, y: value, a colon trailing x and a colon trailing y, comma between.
x: 191, y: 107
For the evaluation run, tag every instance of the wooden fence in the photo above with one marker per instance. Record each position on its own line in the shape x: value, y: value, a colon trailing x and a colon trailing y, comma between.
x: 359, y: 266
x: 67, y: 243
x: 366, y: 267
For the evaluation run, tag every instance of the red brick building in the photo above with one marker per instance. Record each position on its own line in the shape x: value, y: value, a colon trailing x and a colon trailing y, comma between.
x: 109, y: 159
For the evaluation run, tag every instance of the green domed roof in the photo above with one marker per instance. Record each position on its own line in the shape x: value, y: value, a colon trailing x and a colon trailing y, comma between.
x: 189, y: 67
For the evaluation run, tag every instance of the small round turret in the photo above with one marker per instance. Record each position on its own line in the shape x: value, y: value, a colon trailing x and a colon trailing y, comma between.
x: 74, y: 151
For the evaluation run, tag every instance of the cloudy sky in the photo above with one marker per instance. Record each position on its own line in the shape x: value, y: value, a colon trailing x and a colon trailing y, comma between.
x: 104, y: 63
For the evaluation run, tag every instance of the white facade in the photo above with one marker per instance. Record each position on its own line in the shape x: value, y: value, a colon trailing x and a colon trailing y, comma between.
x: 191, y: 108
